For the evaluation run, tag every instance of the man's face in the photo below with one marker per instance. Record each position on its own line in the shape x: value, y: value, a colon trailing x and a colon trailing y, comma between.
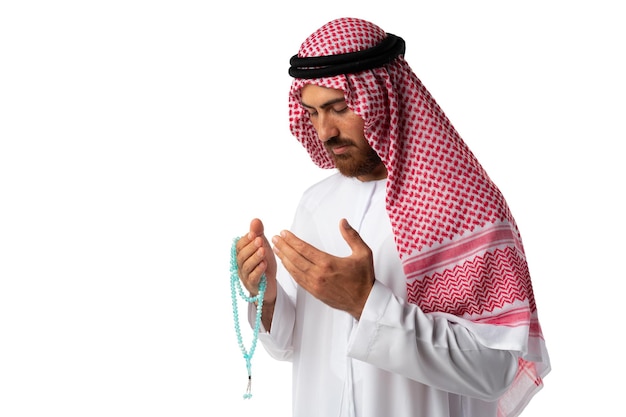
x: 341, y: 131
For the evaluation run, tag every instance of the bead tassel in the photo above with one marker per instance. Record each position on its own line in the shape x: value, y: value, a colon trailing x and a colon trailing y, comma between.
x: 237, y: 289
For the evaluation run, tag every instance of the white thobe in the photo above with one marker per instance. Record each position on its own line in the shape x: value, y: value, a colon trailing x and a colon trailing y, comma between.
x: 396, y: 360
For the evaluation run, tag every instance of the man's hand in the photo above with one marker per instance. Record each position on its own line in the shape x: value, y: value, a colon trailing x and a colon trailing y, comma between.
x: 254, y: 258
x: 341, y: 283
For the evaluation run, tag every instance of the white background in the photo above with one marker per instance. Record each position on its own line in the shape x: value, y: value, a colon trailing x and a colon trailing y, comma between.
x: 137, y: 138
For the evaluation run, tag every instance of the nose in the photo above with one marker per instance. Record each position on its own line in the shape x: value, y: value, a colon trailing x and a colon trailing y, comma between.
x: 326, y: 127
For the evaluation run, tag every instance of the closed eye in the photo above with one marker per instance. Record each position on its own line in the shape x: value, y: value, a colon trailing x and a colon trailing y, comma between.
x: 340, y: 109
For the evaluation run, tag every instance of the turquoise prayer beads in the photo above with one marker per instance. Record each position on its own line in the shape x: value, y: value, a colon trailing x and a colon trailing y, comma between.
x: 237, y: 289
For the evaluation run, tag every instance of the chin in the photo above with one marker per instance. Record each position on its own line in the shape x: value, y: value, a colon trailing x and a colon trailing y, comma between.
x: 347, y: 170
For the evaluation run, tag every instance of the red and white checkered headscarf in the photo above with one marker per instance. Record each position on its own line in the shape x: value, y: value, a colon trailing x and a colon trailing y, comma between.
x: 459, y: 245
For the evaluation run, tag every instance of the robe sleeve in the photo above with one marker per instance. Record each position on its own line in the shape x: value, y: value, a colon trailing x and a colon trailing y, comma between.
x: 278, y: 342
x: 399, y: 337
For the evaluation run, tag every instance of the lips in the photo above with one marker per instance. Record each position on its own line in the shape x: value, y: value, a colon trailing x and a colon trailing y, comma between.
x: 341, y: 149
x: 338, y: 146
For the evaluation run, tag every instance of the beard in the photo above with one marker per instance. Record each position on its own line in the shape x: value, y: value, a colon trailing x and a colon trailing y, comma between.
x: 357, y: 162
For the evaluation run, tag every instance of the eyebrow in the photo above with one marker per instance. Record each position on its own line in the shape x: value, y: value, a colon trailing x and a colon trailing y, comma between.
x: 323, y: 106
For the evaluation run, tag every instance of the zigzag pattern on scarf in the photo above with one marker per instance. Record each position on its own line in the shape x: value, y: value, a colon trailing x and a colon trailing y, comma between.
x: 477, y: 286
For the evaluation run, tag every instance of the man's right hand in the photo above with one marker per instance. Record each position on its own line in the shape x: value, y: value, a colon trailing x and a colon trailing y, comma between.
x: 255, y: 258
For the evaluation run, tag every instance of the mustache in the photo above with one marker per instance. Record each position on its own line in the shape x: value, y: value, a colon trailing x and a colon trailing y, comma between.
x: 337, y: 141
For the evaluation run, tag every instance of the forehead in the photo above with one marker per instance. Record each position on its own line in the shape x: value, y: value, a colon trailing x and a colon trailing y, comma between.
x: 315, y: 95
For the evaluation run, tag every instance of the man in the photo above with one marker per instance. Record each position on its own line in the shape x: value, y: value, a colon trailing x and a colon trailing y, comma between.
x: 402, y: 287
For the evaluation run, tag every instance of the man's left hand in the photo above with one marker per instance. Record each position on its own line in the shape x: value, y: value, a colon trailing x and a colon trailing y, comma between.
x: 341, y: 283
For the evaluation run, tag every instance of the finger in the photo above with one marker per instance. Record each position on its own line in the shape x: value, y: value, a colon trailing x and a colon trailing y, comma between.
x: 251, y: 241
x: 245, y: 247
x: 250, y: 259
x: 254, y: 276
x: 256, y: 229
x: 307, y: 251
x: 257, y: 235
x: 288, y: 248
x: 352, y: 237
x: 248, y: 238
